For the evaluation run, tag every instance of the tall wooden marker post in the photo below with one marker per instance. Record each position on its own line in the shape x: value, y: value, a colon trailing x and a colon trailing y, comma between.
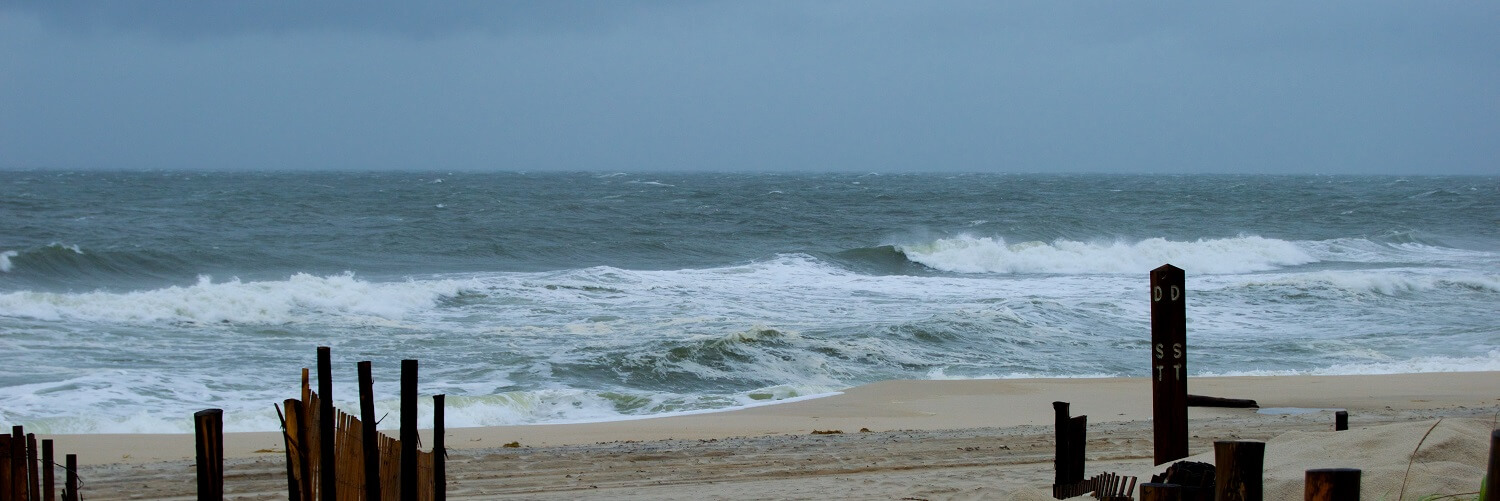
x: 1169, y: 363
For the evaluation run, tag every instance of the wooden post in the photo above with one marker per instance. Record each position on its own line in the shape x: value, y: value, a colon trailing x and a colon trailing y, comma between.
x: 1340, y: 420
x: 1063, y: 474
x: 409, y: 436
x: 439, y: 454
x: 5, y: 472
x: 327, y: 455
x: 209, y: 427
x: 299, y: 475
x: 70, y: 488
x: 31, y: 468
x: 1169, y: 363
x: 1238, y: 470
x: 1077, y: 441
x: 6, y: 490
x: 371, y: 438
x: 49, y: 482
x: 1160, y: 492
x: 18, y: 481
x: 292, y: 492
x: 1332, y: 484
x: 1492, y: 490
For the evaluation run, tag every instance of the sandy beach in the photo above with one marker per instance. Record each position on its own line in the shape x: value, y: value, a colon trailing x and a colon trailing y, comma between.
x: 970, y: 439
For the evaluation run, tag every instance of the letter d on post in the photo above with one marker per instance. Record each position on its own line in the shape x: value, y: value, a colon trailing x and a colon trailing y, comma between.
x: 1169, y: 363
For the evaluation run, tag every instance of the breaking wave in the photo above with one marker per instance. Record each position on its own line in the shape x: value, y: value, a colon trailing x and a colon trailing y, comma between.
x: 302, y: 297
x: 969, y: 254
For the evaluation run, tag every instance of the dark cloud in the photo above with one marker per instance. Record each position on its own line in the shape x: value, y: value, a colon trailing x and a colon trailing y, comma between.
x: 1020, y: 86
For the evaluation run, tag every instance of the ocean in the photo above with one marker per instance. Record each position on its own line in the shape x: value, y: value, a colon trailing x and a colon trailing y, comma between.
x: 130, y: 300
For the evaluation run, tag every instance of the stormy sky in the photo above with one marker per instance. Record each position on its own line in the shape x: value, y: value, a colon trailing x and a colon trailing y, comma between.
x: 1377, y: 87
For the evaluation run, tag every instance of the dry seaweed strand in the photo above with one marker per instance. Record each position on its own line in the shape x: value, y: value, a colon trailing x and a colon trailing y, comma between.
x: 1413, y: 459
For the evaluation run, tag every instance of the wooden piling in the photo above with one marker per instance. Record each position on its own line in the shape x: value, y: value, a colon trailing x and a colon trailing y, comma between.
x: 439, y: 454
x: 409, y: 438
x: 1169, y: 363
x: 6, y: 490
x: 1492, y: 492
x: 1332, y: 484
x: 1160, y: 492
x: 49, y: 482
x: 1340, y: 420
x: 1077, y: 442
x: 370, y: 437
x: 70, y: 488
x: 18, y: 481
x: 208, y: 425
x: 5, y: 472
x: 1063, y: 475
x: 1239, y: 467
x: 328, y: 485
x: 31, y: 468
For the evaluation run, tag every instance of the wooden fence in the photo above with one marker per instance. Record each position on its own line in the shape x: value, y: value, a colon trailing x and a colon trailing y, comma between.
x: 305, y: 455
x: 28, y: 473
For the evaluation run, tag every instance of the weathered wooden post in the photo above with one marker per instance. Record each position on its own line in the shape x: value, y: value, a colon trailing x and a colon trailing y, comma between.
x: 371, y: 438
x: 1238, y: 470
x: 1332, y: 484
x: 31, y: 468
x: 439, y: 454
x: 327, y: 455
x: 409, y: 438
x: 49, y: 482
x: 1063, y: 475
x: 70, y: 486
x: 1492, y: 486
x: 208, y: 425
x: 298, y: 451
x: 1169, y: 363
x: 1340, y: 420
x: 1160, y: 492
x: 18, y: 482
x: 1078, y: 428
x: 5, y: 472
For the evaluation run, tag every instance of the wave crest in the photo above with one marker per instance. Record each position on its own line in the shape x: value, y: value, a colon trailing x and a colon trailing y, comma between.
x: 302, y: 297
x: 969, y: 254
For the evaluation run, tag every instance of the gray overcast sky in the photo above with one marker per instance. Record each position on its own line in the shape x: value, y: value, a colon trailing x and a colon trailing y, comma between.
x: 1056, y: 86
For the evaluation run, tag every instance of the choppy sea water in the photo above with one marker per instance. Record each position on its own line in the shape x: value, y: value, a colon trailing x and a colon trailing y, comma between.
x: 128, y: 301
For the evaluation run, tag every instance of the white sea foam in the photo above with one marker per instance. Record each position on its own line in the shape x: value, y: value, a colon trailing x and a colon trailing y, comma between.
x: 5, y: 265
x: 1359, y: 250
x: 302, y: 297
x: 100, y: 406
x: 941, y: 374
x: 1479, y: 363
x: 1384, y: 282
x: 969, y: 254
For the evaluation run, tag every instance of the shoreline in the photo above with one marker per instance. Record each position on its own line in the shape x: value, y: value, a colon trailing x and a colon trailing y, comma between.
x: 891, y: 405
x: 968, y: 439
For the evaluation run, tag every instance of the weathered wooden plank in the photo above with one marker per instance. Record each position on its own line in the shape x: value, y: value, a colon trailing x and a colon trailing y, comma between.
x: 409, y: 466
x: 1169, y: 363
x: 1332, y: 484
x: 208, y: 426
x: 1239, y: 469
